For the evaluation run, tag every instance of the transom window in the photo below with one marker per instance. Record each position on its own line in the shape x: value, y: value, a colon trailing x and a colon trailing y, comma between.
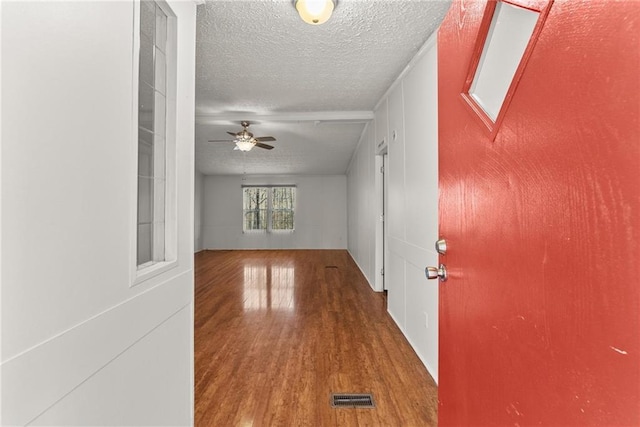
x: 268, y: 208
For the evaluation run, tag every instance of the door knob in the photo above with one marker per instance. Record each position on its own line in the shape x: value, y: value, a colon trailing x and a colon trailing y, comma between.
x: 436, y: 272
x: 441, y: 246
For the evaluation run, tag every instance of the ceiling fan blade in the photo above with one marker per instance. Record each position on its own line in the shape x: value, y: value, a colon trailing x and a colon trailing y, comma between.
x: 221, y: 140
x: 265, y: 138
x: 265, y: 146
x: 232, y: 134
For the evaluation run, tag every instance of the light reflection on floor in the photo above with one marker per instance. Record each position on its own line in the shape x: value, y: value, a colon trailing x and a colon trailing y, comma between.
x: 268, y: 287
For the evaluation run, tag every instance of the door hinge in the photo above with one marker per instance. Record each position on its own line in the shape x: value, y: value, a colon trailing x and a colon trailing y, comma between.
x: 382, y: 271
x: 381, y: 217
x: 381, y: 169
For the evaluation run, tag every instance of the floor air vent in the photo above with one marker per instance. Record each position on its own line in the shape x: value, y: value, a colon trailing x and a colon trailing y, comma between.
x: 342, y: 400
x: 330, y: 266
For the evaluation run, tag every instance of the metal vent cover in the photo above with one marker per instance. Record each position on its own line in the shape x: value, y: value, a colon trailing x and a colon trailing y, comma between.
x: 352, y: 400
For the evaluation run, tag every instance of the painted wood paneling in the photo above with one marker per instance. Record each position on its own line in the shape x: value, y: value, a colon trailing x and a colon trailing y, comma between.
x: 198, y: 210
x: 381, y: 122
x: 38, y: 378
x: 421, y: 205
x: 409, y: 115
x: 68, y: 312
x: 363, y: 212
x: 397, y: 214
x: 396, y: 286
x: 156, y: 398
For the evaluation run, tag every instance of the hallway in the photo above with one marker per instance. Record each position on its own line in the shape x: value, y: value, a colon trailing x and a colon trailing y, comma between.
x: 276, y: 332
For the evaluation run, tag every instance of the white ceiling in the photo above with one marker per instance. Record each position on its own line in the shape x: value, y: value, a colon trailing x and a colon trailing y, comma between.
x: 313, y: 88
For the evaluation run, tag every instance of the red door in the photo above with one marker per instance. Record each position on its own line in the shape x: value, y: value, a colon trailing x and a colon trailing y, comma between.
x: 540, y: 318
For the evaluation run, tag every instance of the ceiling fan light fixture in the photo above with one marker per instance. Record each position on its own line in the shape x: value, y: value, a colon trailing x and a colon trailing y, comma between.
x: 244, y: 144
x: 245, y: 141
x: 315, y: 12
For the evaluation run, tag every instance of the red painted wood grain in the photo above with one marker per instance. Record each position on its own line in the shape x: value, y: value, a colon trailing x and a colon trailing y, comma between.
x: 540, y: 317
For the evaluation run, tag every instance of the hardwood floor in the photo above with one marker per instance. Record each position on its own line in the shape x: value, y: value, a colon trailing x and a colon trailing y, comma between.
x: 276, y: 332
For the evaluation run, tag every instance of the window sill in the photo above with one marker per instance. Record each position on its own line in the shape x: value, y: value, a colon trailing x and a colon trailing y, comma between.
x: 147, y: 272
x: 268, y: 231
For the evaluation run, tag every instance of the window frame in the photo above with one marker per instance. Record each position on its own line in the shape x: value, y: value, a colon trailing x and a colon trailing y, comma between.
x: 269, y: 214
x: 489, y: 125
x: 143, y: 272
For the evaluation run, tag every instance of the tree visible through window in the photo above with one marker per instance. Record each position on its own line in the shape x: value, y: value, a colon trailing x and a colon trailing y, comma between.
x: 268, y: 208
x: 255, y: 208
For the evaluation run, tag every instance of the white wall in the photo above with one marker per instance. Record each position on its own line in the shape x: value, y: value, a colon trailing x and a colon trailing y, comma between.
x: 407, y: 117
x: 198, y: 211
x: 363, y: 212
x: 80, y: 346
x: 320, y: 216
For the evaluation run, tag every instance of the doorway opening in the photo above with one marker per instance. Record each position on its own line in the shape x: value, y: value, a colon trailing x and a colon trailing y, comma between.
x: 381, y: 230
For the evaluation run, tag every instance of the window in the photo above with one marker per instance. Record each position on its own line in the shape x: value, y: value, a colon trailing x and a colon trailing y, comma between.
x: 509, y: 34
x: 255, y: 206
x: 506, y: 39
x: 155, y: 145
x: 268, y: 208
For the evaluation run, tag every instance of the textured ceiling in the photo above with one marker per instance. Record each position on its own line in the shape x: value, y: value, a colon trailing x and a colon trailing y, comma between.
x: 311, y: 87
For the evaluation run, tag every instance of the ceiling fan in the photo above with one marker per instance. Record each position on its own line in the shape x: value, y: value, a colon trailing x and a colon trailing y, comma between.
x: 245, y: 140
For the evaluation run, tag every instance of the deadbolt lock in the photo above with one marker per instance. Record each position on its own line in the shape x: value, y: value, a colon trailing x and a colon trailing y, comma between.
x: 441, y: 246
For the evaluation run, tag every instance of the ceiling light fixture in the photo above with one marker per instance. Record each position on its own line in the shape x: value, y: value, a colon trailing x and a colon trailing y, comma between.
x: 315, y: 12
x: 244, y: 144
